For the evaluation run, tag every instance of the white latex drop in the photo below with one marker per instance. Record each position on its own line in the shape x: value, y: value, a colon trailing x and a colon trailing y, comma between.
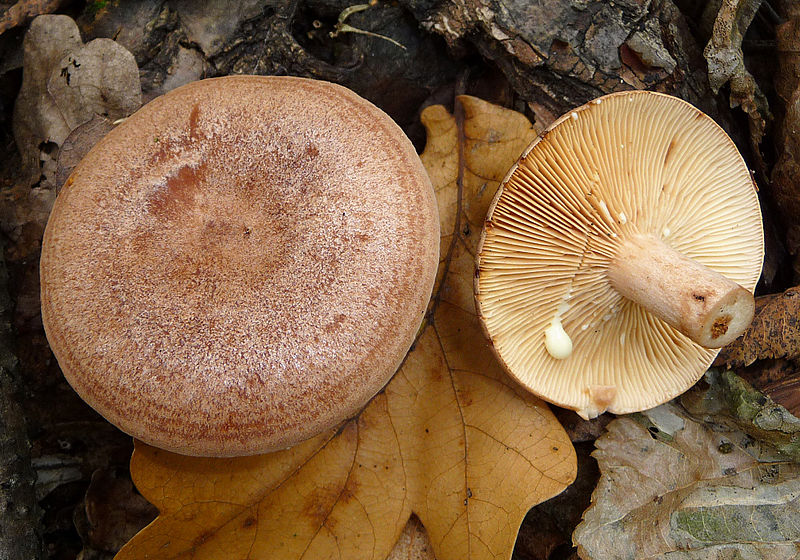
x: 556, y: 340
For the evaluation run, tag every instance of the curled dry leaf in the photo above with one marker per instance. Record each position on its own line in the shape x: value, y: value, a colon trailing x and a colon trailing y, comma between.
x: 777, y: 379
x: 36, y: 117
x: 772, y: 345
x: 774, y: 332
x: 671, y: 487
x: 113, y: 512
x: 78, y: 144
x: 450, y: 438
x: 726, y: 64
x: 98, y: 78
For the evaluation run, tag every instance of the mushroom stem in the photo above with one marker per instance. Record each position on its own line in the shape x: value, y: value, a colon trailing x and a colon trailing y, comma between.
x: 697, y: 301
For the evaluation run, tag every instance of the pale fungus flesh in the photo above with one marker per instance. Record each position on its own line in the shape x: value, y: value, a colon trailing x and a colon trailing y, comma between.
x: 637, y: 210
x: 240, y: 265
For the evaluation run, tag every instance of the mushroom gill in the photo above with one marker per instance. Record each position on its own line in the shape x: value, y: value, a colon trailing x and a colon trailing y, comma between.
x: 609, y: 184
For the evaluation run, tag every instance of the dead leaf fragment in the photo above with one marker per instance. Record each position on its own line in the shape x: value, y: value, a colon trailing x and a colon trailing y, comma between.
x: 777, y: 379
x: 774, y: 332
x: 787, y: 35
x: 726, y: 64
x: 671, y: 487
x: 64, y: 85
x: 766, y: 354
x: 37, y: 120
x: 114, y: 512
x: 78, y: 144
x: 450, y: 439
x: 98, y: 78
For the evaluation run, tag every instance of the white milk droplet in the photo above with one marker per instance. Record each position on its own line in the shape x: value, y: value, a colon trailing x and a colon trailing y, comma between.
x: 666, y: 232
x: 574, y: 116
x: 557, y: 341
x: 623, y: 219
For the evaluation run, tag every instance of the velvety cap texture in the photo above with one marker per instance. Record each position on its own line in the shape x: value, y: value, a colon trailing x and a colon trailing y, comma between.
x: 240, y: 265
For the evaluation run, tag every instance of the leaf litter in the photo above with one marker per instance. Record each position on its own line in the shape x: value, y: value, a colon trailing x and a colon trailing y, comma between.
x: 714, y: 478
x: 766, y: 354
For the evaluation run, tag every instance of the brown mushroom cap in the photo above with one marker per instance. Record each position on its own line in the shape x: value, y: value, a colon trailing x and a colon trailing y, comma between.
x: 631, y: 174
x: 240, y: 265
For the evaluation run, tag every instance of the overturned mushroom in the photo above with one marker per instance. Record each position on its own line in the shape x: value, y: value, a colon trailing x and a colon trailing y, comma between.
x: 619, y: 254
x: 240, y: 265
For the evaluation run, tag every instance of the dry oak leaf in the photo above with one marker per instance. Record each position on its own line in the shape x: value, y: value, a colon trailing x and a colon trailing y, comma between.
x: 451, y: 438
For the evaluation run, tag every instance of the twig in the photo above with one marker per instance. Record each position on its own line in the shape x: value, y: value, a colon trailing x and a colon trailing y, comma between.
x: 342, y: 27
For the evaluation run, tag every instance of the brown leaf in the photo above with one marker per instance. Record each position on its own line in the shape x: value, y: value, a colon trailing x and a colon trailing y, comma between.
x: 780, y: 381
x: 450, y: 439
x: 114, y: 512
x: 787, y: 35
x: 774, y: 332
x: 77, y: 144
x: 98, y: 78
x: 37, y: 122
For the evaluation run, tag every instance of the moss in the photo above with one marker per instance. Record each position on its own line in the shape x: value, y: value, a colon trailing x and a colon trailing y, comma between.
x: 94, y: 6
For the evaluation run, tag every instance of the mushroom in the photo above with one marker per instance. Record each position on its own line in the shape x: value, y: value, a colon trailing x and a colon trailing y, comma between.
x: 240, y: 265
x: 619, y: 254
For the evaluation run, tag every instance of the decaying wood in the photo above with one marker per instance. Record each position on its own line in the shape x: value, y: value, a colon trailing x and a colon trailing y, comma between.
x: 786, y: 172
x: 24, y: 11
x: 559, y: 54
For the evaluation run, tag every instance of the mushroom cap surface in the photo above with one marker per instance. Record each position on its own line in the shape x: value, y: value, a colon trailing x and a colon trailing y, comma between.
x: 626, y: 164
x: 240, y: 265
